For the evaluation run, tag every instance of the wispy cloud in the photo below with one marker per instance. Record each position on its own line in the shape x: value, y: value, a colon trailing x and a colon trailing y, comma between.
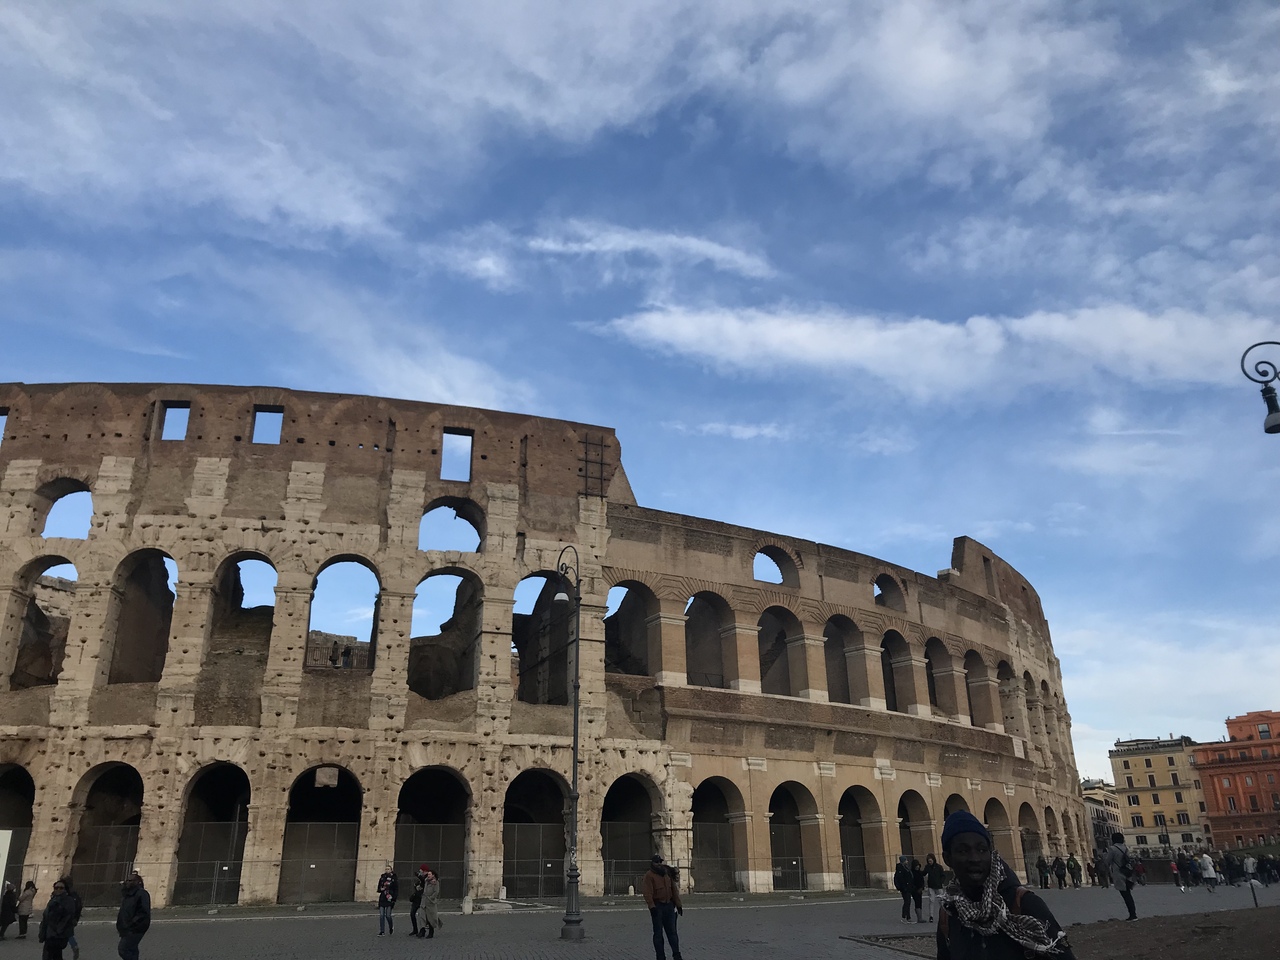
x: 734, y: 431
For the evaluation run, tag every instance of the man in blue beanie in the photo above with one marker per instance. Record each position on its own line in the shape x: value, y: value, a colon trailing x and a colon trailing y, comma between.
x: 985, y: 912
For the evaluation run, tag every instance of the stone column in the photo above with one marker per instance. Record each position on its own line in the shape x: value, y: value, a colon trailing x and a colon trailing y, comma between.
x: 912, y: 685
x: 158, y: 833
x: 925, y: 838
x: 282, y: 683
x: 740, y: 646
x: 494, y: 686
x: 263, y: 846
x: 13, y: 609
x: 389, y: 685
x: 760, y: 852
x: 1013, y: 707
x: 953, y: 694
x: 866, y: 679
x: 1010, y: 849
x: 877, y: 850
x: 821, y: 867
x: 666, y: 644
x: 985, y: 694
x: 484, y: 830
x: 377, y: 838
x: 188, y: 640
x: 807, y: 663
x: 748, y: 878
x: 87, y: 662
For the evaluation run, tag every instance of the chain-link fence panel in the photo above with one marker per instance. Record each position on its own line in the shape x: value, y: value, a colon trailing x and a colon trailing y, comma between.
x: 440, y: 846
x: 714, y: 866
x: 533, y: 863
x: 319, y: 862
x: 788, y: 856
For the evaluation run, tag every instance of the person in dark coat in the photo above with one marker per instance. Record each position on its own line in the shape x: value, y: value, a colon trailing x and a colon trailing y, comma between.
x: 935, y: 878
x: 79, y: 905
x: 917, y: 889
x: 1060, y: 872
x: 415, y: 899
x: 388, y: 891
x: 661, y: 890
x: 987, y: 914
x: 1042, y: 867
x: 904, y: 884
x: 134, y: 918
x: 8, y: 907
x: 56, y: 923
x: 1121, y: 868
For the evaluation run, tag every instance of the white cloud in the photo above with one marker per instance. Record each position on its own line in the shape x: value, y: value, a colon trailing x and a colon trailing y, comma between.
x: 578, y: 238
x: 920, y: 357
x: 734, y: 431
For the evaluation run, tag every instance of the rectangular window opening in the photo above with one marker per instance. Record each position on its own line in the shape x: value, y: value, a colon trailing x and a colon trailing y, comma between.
x: 267, y: 423
x: 4, y: 423
x: 455, y: 455
x: 174, y: 418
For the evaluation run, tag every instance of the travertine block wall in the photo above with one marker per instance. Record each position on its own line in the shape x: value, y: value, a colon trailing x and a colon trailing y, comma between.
x: 873, y: 698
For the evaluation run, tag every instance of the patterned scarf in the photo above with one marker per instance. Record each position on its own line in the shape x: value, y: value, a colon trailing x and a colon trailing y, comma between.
x: 990, y: 915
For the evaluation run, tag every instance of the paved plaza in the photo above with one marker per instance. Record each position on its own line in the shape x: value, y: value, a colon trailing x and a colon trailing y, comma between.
x: 712, y: 929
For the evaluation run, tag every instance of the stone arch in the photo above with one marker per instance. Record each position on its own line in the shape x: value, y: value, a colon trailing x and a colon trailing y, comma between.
x: 707, y: 621
x: 896, y: 666
x: 720, y: 837
x: 1031, y: 839
x: 215, y: 823
x: 982, y: 696
x: 888, y: 592
x: 338, y: 585
x: 239, y: 638
x: 795, y: 841
x: 534, y: 841
x: 444, y: 648
x: 1012, y: 702
x: 861, y: 836
x: 952, y: 804
x: 627, y: 843
x: 62, y: 508
x: 17, y: 800
x: 1052, y: 832
x: 433, y: 818
x: 37, y: 620
x: 109, y: 801
x: 786, y: 562
x: 1069, y: 835
x: 631, y: 630
x: 140, y: 616
x: 452, y: 523
x: 996, y: 817
x: 777, y: 627
x: 940, y: 671
x: 540, y: 640
x: 839, y: 637
x: 321, y: 836
x: 915, y: 826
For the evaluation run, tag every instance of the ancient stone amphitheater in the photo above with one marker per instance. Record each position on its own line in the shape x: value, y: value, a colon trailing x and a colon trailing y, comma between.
x: 768, y: 712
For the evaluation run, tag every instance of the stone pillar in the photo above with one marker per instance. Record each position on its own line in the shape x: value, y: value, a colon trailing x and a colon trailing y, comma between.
x: 484, y: 830
x: 759, y: 852
x: 377, y: 840
x: 666, y: 644
x: 494, y: 685
x: 925, y: 839
x: 87, y: 662
x: 1035, y: 717
x: 1006, y: 842
x: 821, y: 863
x: 740, y: 646
x: 807, y: 663
x: 911, y: 683
x: 745, y: 873
x: 984, y: 692
x: 188, y: 640
x: 953, y: 695
x: 263, y: 846
x: 866, y: 679
x: 53, y: 819
x: 1013, y: 707
x: 878, y: 850
x: 282, y: 683
x: 13, y: 608
x: 389, y: 686
x: 158, y: 833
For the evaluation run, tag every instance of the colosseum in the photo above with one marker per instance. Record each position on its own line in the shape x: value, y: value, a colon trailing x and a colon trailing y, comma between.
x: 768, y: 712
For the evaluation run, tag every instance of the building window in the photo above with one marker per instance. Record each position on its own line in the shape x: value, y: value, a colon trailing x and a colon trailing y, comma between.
x: 1147, y: 762
x: 1202, y: 806
x: 1177, y: 798
x: 1226, y: 781
x: 1174, y: 780
x: 1253, y: 803
x: 1222, y: 756
x: 1155, y: 798
x: 1264, y: 731
x: 1275, y: 801
x: 1184, y: 819
x: 1266, y: 753
x: 1248, y: 781
x: 1128, y: 782
x: 1196, y: 784
x: 1187, y: 838
x: 1140, y: 840
x: 1158, y: 820
x: 1170, y: 759
x: 1151, y: 779
x: 1244, y: 754
x: 1136, y: 820
x: 1126, y: 764
x: 1162, y: 838
x: 1231, y: 804
x: 1133, y: 799
x: 1271, y: 778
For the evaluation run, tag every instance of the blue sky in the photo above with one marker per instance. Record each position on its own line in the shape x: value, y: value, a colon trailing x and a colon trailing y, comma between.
x: 876, y: 274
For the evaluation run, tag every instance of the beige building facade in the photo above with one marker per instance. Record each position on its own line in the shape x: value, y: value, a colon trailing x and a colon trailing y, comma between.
x: 1162, y: 806
x: 763, y: 735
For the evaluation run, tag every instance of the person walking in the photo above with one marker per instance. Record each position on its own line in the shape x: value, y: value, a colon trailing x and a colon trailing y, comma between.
x: 1093, y: 873
x: 905, y: 885
x: 987, y: 914
x: 1042, y: 867
x: 662, y: 896
x: 134, y: 918
x: 935, y: 880
x: 917, y: 889
x: 1208, y: 872
x: 56, y: 923
x: 1073, y: 871
x: 430, y: 904
x: 1060, y: 872
x: 388, y: 891
x: 1120, y: 865
x: 78, y: 903
x: 415, y: 899
x: 8, y: 907
x: 1104, y: 874
x: 25, y: 906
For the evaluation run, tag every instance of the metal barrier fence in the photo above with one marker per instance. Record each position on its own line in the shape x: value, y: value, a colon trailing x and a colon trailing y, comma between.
x: 627, y: 850
x: 714, y: 867
x: 533, y: 862
x: 788, y: 856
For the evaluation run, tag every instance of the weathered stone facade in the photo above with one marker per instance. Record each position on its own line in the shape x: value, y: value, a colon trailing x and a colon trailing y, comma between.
x: 759, y: 734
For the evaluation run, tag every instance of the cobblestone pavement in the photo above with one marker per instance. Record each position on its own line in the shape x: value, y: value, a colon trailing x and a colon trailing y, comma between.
x: 712, y: 929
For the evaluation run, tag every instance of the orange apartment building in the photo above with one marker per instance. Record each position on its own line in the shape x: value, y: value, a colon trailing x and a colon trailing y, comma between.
x: 1241, y: 781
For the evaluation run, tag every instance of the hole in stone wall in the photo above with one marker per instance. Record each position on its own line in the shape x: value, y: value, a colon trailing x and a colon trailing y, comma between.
x: 342, y: 627
x: 447, y: 622
x: 626, y: 629
x: 175, y: 416
x: 267, y: 423
x: 141, y: 616
x: 42, y: 640
x: 449, y: 527
x: 540, y: 641
x: 765, y: 569
x: 4, y: 423
x: 70, y: 515
x: 455, y: 455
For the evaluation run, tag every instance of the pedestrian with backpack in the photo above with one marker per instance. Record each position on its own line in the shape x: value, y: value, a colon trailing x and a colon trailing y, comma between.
x: 1121, y: 867
x: 986, y: 914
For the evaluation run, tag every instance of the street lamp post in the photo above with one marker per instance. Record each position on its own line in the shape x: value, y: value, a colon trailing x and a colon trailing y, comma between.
x: 1265, y: 372
x: 572, y: 928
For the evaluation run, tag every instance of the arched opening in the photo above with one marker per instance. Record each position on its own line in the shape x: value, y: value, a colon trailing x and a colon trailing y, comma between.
x: 107, y: 840
x: 996, y: 818
x: 342, y: 632
x: 64, y: 508
x: 140, y: 615
x: 448, y: 620
x: 777, y: 626
x: 1011, y: 705
x: 1032, y: 846
x: 17, y: 797
x: 431, y: 828
x: 241, y: 618
x: 540, y: 637
x: 915, y: 826
x: 887, y: 592
x: 1069, y: 836
x: 706, y: 619
x: 211, y: 846
x: 895, y: 664
x: 856, y: 804
x: 321, y: 837
x: 937, y: 661
x: 1051, y: 830
x: 627, y: 629
x: 838, y: 638
x: 981, y: 696
x: 792, y: 835
x: 40, y: 611
x: 533, y: 836
x: 451, y: 523
x: 953, y: 803
x: 1049, y: 707
x: 719, y: 843
x: 626, y: 834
